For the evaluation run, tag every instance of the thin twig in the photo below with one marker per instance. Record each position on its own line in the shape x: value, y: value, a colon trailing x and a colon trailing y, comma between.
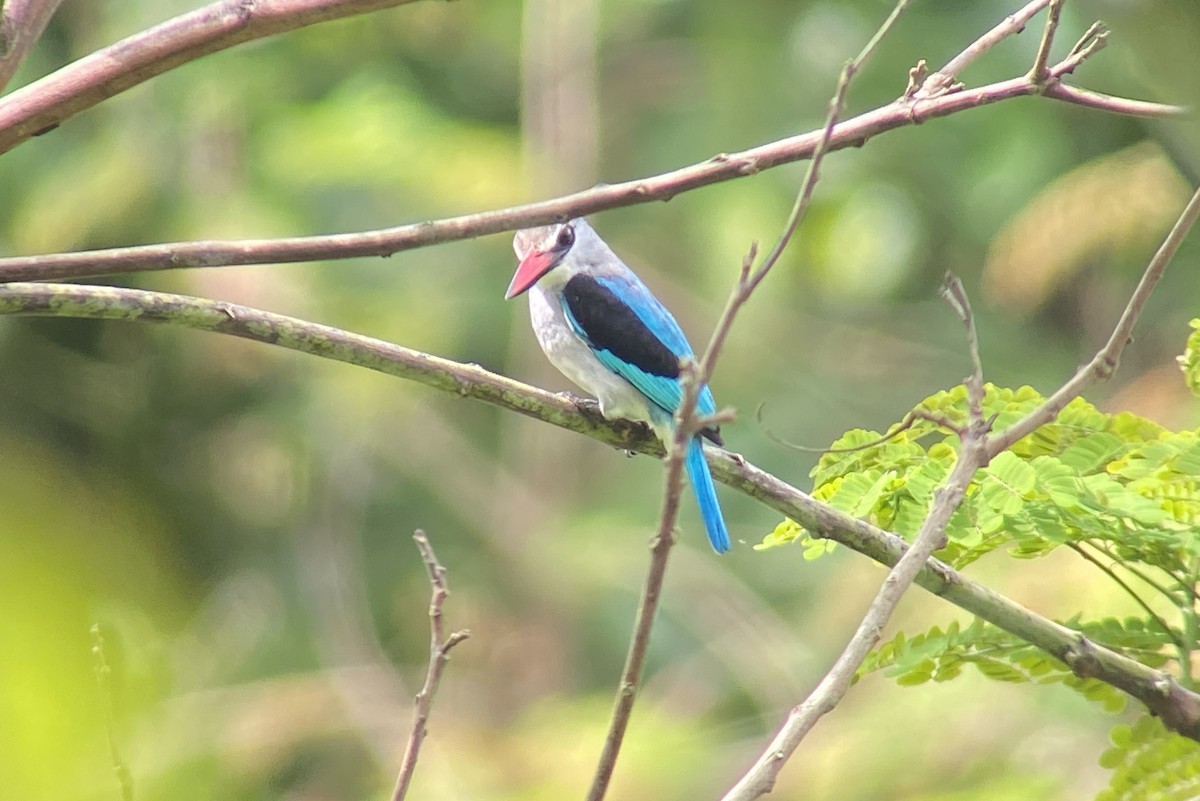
x: 660, y: 551
x: 22, y: 23
x: 1093, y: 42
x: 1166, y: 592
x: 939, y: 82
x: 1096, y: 30
x: 906, y: 423
x: 439, y: 655
x: 48, y: 102
x: 1103, y: 102
x: 1132, y: 593
x: 1038, y: 72
x: 104, y: 682
x: 954, y: 294
x: 836, y: 106
x: 1156, y: 689
x: 1102, y: 365
x: 1191, y: 626
x: 760, y: 778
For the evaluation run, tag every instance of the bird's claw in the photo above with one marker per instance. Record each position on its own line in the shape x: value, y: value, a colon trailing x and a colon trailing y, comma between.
x: 585, y: 405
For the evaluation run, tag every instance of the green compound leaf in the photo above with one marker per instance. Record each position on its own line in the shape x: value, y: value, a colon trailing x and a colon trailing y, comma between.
x: 941, y: 655
x: 1005, y: 483
x: 1150, y: 763
x: 1116, y: 482
x: 1189, y: 362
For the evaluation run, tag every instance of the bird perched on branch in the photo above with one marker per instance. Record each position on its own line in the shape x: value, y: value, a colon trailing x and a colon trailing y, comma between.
x: 603, y: 329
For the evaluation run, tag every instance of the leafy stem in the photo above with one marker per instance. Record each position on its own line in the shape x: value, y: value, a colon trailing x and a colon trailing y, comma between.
x: 1178, y: 641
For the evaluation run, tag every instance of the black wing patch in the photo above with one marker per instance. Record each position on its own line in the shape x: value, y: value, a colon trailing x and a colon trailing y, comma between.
x: 611, y: 325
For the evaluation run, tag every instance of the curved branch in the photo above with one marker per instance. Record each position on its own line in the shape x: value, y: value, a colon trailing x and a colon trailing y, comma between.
x: 21, y: 25
x: 1103, y: 102
x: 384, y: 242
x: 44, y: 104
x: 1178, y: 707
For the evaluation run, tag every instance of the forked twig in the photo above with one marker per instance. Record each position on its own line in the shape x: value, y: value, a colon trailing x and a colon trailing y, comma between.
x: 439, y: 655
x: 1038, y: 72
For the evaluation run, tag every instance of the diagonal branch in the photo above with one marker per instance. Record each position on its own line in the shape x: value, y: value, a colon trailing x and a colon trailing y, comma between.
x: 760, y: 778
x: 21, y: 25
x: 945, y: 78
x: 1104, y: 363
x: 439, y: 655
x: 46, y: 103
x: 1103, y: 102
x: 660, y: 551
x: 387, y: 241
x: 1159, y: 691
x: 1038, y: 71
x: 694, y: 378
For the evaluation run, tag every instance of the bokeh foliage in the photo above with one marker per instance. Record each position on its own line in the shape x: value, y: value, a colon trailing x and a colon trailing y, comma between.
x: 237, y: 518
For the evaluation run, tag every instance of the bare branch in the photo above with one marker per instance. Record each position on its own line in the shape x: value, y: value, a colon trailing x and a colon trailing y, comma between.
x: 387, y: 241
x: 46, y: 103
x: 760, y: 779
x: 1038, y: 72
x: 940, y: 82
x: 833, y: 686
x: 955, y: 295
x: 21, y: 25
x: 905, y: 424
x: 1102, y: 365
x: 103, y: 682
x: 1178, y: 707
x: 660, y: 551
x: 1095, y: 40
x: 439, y: 655
x: 1116, y: 105
x: 804, y: 197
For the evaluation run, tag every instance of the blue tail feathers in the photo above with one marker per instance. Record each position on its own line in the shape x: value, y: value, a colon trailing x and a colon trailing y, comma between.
x: 706, y: 496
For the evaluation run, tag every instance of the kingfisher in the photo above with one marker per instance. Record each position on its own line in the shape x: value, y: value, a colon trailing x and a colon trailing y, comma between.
x: 605, y: 331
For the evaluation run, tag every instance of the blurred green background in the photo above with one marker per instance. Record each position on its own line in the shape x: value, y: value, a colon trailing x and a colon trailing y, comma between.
x: 238, y: 518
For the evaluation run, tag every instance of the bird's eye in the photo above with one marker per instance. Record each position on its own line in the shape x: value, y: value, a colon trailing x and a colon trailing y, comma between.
x: 566, y: 237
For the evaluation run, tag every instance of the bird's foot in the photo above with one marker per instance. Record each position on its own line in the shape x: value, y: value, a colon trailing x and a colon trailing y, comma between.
x: 585, y: 405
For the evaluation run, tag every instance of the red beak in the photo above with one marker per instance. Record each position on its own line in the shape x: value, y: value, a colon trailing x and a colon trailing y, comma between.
x: 532, y: 267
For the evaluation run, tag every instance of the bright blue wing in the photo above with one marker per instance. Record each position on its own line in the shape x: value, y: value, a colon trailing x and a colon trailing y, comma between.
x: 633, y: 335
